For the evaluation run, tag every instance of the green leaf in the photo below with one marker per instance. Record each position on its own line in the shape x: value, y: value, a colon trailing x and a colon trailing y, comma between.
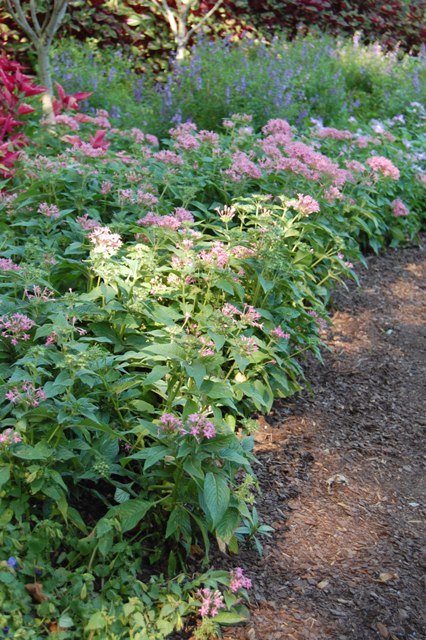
x: 65, y: 621
x: 96, y: 621
x: 228, y: 524
x: 232, y: 617
x: 151, y: 455
x: 216, y: 495
x: 40, y: 452
x: 4, y: 475
x: 158, y: 372
x: 197, y: 371
x: 129, y: 513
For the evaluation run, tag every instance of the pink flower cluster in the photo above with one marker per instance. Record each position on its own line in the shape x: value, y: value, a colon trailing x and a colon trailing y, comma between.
x: 174, y: 221
x: 382, y: 165
x: 26, y: 393
x: 184, y: 136
x: 171, y: 423
x: 243, y: 167
x: 48, y: 210
x: 239, y: 580
x: 208, y: 348
x: 335, y: 134
x: 279, y: 126
x: 217, y: 256
x: 304, y: 205
x: 15, y: 327
x: 199, y: 425
x: 105, y: 242
x: 279, y: 333
x: 86, y: 222
x: 44, y: 295
x: 6, y: 264
x: 399, y: 209
x: 169, y: 157
x: 248, y: 344
x: 241, y: 252
x: 9, y: 436
x: 196, y: 425
x: 211, y: 602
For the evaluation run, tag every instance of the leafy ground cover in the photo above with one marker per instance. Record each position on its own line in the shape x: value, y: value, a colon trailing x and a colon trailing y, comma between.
x: 157, y: 295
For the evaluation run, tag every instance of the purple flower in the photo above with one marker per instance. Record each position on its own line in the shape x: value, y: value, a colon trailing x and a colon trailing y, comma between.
x: 12, y: 562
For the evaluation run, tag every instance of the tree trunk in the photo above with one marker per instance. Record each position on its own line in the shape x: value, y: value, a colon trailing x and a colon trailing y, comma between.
x: 181, y: 38
x: 46, y: 80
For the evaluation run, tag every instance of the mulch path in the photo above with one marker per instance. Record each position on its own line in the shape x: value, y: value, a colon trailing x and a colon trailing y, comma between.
x: 342, y: 474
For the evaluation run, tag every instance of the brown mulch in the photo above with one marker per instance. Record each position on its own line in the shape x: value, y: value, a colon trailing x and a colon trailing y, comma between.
x: 342, y: 473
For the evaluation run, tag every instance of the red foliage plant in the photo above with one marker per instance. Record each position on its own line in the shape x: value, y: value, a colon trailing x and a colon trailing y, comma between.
x: 15, y: 86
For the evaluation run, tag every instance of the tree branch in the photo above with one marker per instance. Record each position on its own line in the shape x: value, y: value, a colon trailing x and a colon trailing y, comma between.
x: 16, y: 11
x: 36, y: 24
x: 204, y: 19
x: 59, y: 10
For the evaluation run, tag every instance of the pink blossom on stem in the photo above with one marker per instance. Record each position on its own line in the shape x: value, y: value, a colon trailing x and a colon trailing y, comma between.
x: 279, y: 333
x: 382, y: 165
x: 211, y: 602
x: 8, y: 265
x: 9, y: 436
x: 105, y: 242
x: 399, y: 209
x: 239, y: 580
x: 304, y: 205
x: 48, y: 210
x: 15, y: 327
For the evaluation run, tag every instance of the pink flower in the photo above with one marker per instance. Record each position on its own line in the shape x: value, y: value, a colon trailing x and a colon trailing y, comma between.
x: 39, y: 294
x: 87, y: 223
x: 15, y: 327
x: 279, y: 333
x: 199, y: 425
x: 229, y: 310
x: 8, y: 265
x: 106, y: 187
x: 209, y: 137
x: 382, y: 165
x: 183, y: 215
x: 9, y: 436
x: 335, y: 134
x: 250, y: 316
x: 50, y: 211
x: 277, y: 126
x: 242, y: 167
x: 51, y: 339
x: 211, y: 602
x: 216, y: 256
x: 399, y: 209
x: 168, y: 157
x: 171, y: 423
x: 248, y: 344
x: 105, y: 242
x: 239, y: 580
x: 304, y: 205
x: 147, y: 199
x: 26, y: 393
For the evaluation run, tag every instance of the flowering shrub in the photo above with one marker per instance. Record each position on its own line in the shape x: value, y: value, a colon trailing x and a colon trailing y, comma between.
x: 154, y: 300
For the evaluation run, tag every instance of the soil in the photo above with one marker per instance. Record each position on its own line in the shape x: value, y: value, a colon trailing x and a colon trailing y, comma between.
x: 342, y: 473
